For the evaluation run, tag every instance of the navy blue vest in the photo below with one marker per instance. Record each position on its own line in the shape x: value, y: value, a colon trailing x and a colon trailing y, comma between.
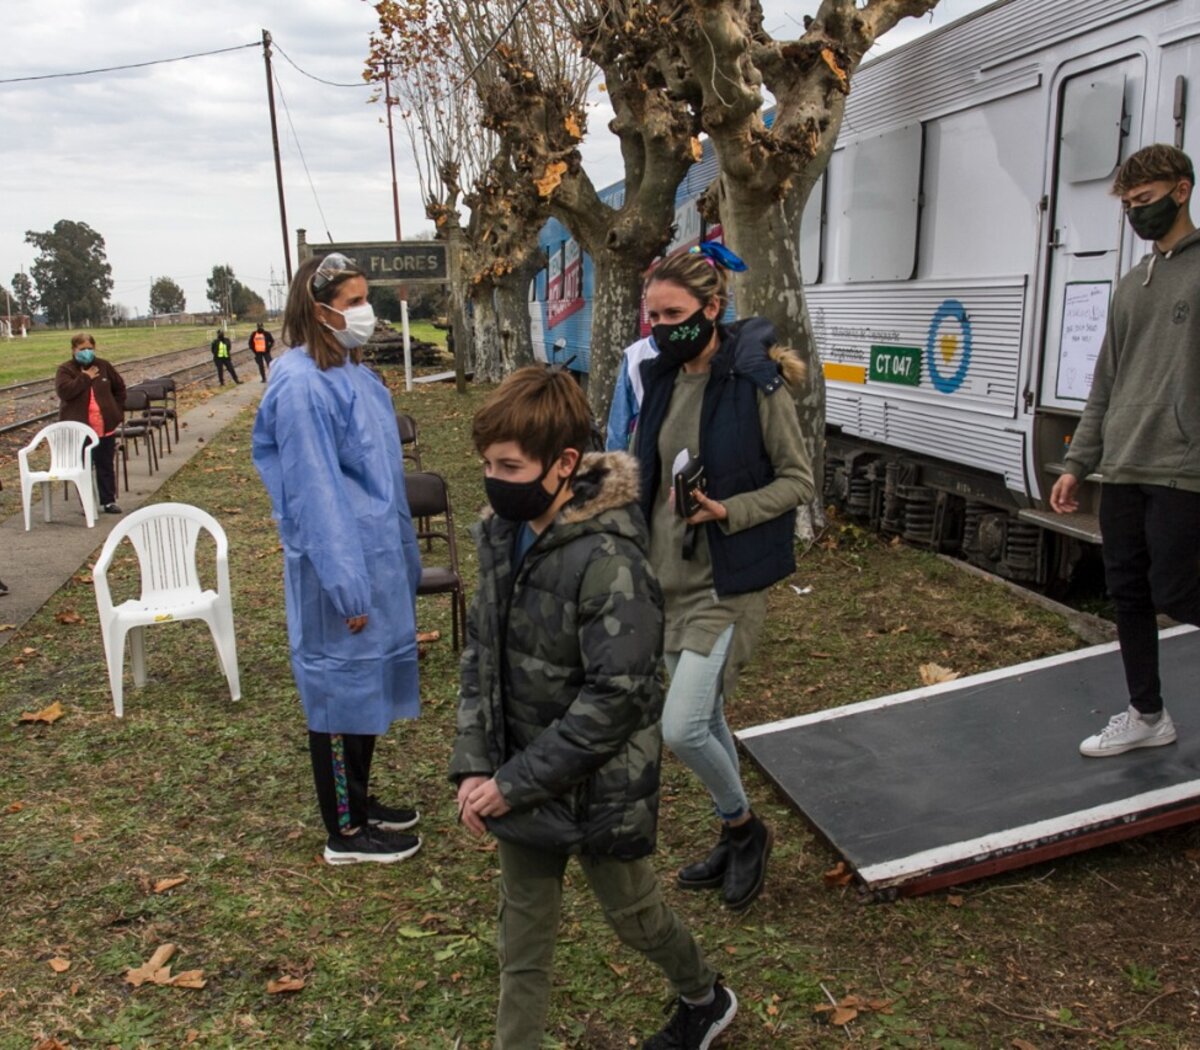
x: 731, y: 449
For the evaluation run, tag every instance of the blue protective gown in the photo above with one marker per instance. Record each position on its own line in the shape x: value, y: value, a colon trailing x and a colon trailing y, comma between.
x: 328, y: 450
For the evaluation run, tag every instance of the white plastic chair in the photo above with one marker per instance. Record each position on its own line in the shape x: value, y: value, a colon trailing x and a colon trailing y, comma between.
x: 71, y: 446
x: 164, y: 536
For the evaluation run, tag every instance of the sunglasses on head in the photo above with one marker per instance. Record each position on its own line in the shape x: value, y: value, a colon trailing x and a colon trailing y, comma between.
x: 332, y: 266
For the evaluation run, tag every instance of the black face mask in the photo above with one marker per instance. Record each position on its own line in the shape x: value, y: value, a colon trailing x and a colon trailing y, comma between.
x: 521, y: 500
x: 1154, y: 220
x: 680, y: 343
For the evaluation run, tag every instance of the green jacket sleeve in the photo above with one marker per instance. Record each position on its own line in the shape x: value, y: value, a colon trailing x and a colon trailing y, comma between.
x: 470, y: 754
x: 793, y: 481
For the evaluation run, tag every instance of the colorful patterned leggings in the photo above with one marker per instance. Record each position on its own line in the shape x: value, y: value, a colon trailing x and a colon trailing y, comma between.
x: 341, y: 769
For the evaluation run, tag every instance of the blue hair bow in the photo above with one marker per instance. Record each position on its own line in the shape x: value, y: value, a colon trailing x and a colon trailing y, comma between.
x: 720, y: 256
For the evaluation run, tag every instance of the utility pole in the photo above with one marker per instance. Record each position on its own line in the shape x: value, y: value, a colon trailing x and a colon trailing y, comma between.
x: 287, y: 251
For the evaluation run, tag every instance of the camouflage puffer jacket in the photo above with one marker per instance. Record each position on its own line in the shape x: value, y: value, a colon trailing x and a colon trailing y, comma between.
x: 561, y: 693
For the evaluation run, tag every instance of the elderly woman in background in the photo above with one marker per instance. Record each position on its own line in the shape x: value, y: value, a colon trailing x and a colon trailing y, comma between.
x: 91, y: 391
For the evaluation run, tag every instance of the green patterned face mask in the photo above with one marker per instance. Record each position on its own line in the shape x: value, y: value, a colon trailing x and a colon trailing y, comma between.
x: 680, y: 343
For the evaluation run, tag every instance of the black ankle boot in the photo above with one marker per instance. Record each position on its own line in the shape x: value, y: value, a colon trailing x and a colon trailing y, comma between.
x: 709, y: 873
x: 749, y: 848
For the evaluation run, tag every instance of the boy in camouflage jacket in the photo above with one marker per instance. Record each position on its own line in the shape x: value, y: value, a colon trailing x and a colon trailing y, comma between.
x: 558, y: 743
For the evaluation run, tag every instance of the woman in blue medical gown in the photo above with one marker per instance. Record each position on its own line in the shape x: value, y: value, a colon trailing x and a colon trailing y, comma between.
x: 327, y: 449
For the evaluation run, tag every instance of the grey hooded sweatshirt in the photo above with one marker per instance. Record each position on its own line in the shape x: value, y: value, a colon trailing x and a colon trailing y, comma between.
x: 1141, y: 425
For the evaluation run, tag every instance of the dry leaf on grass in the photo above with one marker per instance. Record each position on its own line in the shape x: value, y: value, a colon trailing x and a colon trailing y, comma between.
x: 839, y: 875
x: 156, y: 970
x: 8, y: 626
x: 48, y: 715
x: 153, y: 968
x: 428, y: 636
x: 59, y: 964
x: 49, y: 1043
x: 162, y: 885
x: 955, y: 900
x: 1023, y: 1044
x: 69, y: 616
x: 285, y: 984
x: 932, y: 674
x: 14, y: 807
x: 848, y: 1008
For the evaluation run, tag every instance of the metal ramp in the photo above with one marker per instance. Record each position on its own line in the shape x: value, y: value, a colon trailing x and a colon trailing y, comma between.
x: 948, y: 783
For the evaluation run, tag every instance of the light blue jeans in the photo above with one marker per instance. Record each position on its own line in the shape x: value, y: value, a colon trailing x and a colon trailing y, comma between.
x: 694, y: 725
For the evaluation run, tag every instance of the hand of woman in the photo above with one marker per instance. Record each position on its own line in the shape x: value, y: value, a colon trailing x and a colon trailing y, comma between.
x: 356, y: 623
x: 710, y: 509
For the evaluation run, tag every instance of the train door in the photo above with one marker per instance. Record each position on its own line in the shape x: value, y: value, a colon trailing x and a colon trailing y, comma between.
x: 1098, y: 125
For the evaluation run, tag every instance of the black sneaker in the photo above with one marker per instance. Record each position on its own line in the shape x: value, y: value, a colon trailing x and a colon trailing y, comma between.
x: 387, y: 818
x: 367, y: 844
x: 111, y: 508
x: 696, y: 1027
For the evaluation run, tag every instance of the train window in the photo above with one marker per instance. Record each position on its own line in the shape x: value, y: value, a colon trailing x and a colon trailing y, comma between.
x: 812, y: 231
x: 554, y: 283
x: 1093, y: 116
x: 883, y: 201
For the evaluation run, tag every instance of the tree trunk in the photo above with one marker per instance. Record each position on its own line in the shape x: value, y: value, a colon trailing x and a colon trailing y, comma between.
x: 464, y: 335
x: 512, y: 309
x: 616, y: 310
x: 489, y: 366
x: 765, y: 234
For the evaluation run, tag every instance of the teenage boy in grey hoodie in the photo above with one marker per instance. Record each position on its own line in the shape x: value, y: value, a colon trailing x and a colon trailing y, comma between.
x: 1141, y: 430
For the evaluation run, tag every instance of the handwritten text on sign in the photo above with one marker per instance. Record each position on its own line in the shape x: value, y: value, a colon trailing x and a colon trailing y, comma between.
x: 1085, y: 317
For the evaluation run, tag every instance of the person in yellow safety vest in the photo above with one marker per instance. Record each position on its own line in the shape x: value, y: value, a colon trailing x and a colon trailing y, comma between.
x: 261, y: 342
x: 222, y: 351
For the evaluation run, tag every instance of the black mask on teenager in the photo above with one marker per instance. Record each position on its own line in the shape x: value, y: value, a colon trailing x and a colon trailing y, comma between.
x: 521, y: 500
x: 1154, y: 220
x: 680, y: 343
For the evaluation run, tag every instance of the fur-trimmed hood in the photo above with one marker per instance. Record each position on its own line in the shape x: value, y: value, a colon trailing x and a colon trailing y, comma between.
x: 604, y: 481
x: 794, y: 370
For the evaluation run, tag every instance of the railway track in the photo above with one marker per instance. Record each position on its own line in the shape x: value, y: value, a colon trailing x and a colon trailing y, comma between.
x: 25, y: 407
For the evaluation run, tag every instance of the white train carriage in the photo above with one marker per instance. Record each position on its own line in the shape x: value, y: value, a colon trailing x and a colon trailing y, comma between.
x: 959, y: 257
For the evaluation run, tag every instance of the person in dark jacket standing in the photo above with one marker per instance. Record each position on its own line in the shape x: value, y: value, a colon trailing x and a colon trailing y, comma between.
x: 222, y: 352
x: 558, y: 744
x: 719, y: 398
x: 90, y: 390
x: 1141, y: 430
x: 260, y: 343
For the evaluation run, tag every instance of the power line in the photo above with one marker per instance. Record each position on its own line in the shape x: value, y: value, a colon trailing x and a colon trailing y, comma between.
x: 312, y: 76
x: 494, y: 44
x: 296, y: 138
x: 131, y: 65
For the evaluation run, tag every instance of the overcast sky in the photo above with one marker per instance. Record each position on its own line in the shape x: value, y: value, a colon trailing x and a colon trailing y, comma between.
x: 172, y: 164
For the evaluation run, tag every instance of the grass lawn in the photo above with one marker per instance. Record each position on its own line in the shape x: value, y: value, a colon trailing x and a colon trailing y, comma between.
x: 38, y: 355
x: 1099, y: 950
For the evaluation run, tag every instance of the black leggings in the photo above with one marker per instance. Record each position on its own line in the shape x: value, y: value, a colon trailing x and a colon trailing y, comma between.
x: 1152, y: 564
x: 341, y: 769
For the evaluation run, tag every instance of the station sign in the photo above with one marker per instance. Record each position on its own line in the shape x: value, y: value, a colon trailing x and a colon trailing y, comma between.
x: 394, y: 262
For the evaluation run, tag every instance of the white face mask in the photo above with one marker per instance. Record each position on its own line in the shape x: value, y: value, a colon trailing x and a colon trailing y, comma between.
x: 360, y: 324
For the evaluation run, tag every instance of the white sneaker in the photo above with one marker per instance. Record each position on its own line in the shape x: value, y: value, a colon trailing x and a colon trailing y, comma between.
x: 1127, y: 731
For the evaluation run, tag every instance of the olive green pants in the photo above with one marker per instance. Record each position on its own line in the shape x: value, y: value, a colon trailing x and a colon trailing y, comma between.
x: 530, y: 900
